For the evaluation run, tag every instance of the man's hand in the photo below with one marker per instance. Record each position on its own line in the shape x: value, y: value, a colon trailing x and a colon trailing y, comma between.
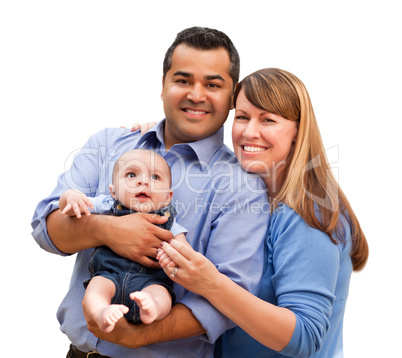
x: 136, y: 237
x: 133, y: 236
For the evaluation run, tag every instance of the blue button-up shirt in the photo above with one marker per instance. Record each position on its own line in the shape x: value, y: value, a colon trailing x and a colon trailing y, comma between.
x: 224, y: 209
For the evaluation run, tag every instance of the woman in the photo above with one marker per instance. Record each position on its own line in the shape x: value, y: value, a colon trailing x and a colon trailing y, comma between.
x: 314, y: 239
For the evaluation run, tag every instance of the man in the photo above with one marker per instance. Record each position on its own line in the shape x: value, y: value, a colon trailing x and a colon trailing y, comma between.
x: 216, y: 201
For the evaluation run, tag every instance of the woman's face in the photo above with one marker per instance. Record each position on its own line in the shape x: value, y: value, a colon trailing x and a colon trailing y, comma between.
x: 261, y: 140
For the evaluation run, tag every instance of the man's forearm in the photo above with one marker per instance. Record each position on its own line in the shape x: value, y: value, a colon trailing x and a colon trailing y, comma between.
x: 71, y: 235
x: 179, y: 323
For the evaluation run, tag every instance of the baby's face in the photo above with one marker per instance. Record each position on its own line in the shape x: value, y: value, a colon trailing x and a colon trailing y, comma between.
x: 142, y: 182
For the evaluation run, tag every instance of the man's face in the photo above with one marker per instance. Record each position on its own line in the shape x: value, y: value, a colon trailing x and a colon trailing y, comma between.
x: 196, y: 93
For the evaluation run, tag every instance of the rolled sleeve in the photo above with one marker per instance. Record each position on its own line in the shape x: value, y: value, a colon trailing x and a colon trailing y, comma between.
x: 39, y: 226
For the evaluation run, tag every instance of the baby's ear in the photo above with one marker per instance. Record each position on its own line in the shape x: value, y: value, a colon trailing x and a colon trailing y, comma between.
x: 169, y: 197
x: 112, y: 191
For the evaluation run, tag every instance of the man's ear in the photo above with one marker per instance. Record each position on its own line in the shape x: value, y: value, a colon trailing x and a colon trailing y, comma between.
x: 232, y: 98
x: 112, y: 191
x: 163, y: 86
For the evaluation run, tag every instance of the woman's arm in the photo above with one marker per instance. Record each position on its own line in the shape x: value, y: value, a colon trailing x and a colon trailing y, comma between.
x: 199, y: 275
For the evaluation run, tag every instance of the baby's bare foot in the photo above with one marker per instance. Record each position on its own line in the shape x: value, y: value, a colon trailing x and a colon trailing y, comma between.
x: 108, y: 317
x: 147, y: 304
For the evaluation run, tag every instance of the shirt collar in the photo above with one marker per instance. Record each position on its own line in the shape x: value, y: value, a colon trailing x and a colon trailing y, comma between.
x: 203, y: 148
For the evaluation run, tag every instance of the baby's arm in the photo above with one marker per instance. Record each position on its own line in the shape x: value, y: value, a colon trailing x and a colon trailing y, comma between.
x: 74, y: 203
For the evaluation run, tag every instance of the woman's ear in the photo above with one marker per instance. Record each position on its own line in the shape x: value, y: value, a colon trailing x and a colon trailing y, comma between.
x: 295, y: 137
x: 297, y: 132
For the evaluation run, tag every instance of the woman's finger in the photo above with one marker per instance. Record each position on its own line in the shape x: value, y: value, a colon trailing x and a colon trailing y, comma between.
x: 135, y: 127
x: 176, y: 256
x: 146, y: 127
x: 184, y: 248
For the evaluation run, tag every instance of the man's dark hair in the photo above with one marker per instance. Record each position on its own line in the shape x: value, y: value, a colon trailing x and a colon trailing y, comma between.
x: 203, y: 38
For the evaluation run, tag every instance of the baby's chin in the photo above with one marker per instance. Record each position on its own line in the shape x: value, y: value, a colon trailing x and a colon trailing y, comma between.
x: 143, y: 207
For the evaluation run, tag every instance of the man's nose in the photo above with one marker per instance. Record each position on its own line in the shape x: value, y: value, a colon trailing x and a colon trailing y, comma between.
x: 197, y: 93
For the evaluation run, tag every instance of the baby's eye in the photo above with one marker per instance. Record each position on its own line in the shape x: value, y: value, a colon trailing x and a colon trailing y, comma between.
x: 131, y: 175
x: 155, y: 177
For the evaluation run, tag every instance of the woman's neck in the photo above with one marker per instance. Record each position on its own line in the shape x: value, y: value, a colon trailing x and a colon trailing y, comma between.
x: 273, y: 184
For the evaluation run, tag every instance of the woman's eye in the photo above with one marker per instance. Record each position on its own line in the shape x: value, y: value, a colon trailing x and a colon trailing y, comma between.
x: 268, y: 120
x: 244, y: 118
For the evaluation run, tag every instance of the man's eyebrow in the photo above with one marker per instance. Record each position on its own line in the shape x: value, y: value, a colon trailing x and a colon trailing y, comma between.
x: 214, y: 77
x: 182, y: 73
x: 207, y: 77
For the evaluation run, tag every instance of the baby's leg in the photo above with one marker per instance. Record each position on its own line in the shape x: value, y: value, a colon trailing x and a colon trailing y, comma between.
x: 97, y: 300
x: 154, y: 302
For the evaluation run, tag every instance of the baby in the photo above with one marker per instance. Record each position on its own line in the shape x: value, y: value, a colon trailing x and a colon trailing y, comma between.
x: 141, y: 182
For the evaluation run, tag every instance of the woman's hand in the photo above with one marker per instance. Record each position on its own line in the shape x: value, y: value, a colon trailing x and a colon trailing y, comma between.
x: 195, y: 272
x: 145, y: 127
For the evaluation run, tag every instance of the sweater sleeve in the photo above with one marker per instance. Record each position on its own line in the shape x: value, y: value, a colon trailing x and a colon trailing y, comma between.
x: 306, y: 265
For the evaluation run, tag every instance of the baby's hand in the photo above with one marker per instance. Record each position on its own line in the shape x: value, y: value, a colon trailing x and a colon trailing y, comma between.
x: 75, y: 203
x: 164, y: 259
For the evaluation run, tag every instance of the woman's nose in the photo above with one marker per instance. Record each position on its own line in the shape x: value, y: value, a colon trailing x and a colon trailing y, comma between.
x: 252, y: 130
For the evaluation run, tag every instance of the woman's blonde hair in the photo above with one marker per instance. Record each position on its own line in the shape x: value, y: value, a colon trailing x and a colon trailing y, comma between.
x: 309, y: 187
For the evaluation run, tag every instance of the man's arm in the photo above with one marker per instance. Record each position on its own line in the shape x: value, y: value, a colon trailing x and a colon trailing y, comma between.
x: 179, y: 323
x: 70, y: 234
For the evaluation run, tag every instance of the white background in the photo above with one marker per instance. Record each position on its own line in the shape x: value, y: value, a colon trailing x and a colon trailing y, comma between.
x: 71, y: 68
